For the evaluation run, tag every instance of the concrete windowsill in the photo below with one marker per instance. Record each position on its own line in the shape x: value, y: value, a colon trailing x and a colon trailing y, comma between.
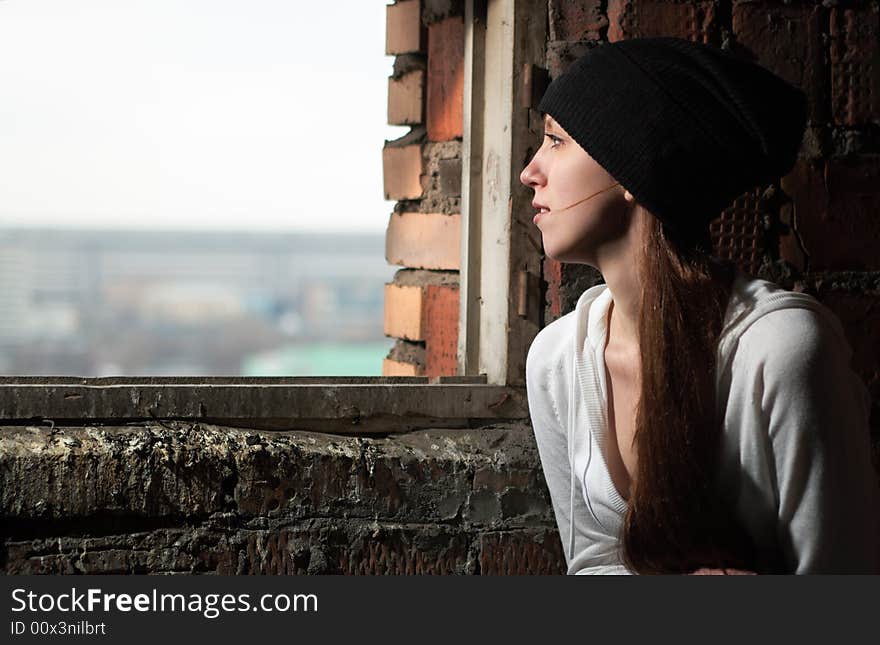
x: 330, y: 404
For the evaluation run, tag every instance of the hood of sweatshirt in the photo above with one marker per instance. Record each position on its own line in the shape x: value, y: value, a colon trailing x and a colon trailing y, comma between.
x: 751, y: 298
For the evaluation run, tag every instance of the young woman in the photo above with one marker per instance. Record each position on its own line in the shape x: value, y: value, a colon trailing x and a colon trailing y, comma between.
x: 689, y: 417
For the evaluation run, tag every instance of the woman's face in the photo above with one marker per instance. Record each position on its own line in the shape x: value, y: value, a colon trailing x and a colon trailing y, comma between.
x: 562, y: 174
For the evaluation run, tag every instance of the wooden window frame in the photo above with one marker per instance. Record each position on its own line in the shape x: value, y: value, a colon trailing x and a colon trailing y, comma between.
x: 501, y: 307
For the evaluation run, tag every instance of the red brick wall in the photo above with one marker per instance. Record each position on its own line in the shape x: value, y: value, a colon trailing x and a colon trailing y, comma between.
x: 422, y: 170
x: 818, y: 229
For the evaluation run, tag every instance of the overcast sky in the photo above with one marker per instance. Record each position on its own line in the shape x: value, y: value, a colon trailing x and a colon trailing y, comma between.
x: 221, y: 114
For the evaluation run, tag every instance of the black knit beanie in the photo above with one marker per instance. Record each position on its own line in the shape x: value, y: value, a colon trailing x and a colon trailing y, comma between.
x: 685, y: 127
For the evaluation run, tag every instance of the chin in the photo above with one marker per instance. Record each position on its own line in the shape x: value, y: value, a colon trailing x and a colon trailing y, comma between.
x: 563, y: 254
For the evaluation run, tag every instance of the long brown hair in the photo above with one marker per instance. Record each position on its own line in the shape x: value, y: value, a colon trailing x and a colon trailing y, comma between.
x: 676, y: 521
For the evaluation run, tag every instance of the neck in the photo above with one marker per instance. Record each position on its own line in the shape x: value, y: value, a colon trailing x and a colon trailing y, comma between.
x: 623, y: 315
x: 618, y: 269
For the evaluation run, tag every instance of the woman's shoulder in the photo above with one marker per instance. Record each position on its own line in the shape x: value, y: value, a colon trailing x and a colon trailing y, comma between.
x: 765, y: 316
x: 785, y: 333
x: 751, y: 295
x: 558, y: 339
x: 552, y: 342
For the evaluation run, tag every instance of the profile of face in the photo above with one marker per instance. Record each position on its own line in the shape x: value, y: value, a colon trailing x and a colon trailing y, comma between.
x: 562, y: 174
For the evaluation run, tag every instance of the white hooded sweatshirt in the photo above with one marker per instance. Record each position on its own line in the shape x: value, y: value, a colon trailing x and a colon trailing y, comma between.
x: 796, y: 450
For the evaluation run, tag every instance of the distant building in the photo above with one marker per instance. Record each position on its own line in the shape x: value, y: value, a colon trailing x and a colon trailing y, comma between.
x: 88, y: 301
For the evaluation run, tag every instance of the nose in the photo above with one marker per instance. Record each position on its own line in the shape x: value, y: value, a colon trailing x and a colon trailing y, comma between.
x: 531, y: 175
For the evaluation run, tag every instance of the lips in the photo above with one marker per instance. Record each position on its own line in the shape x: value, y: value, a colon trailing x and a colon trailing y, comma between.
x: 542, y: 210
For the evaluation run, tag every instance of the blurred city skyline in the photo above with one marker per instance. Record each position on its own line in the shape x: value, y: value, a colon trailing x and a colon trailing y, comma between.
x: 150, y: 303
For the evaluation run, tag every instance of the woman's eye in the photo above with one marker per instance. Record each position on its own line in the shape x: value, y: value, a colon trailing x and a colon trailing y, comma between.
x: 553, y: 138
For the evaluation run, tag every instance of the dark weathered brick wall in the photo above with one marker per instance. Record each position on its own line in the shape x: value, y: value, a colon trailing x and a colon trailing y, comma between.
x: 817, y: 230
x: 206, y: 499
